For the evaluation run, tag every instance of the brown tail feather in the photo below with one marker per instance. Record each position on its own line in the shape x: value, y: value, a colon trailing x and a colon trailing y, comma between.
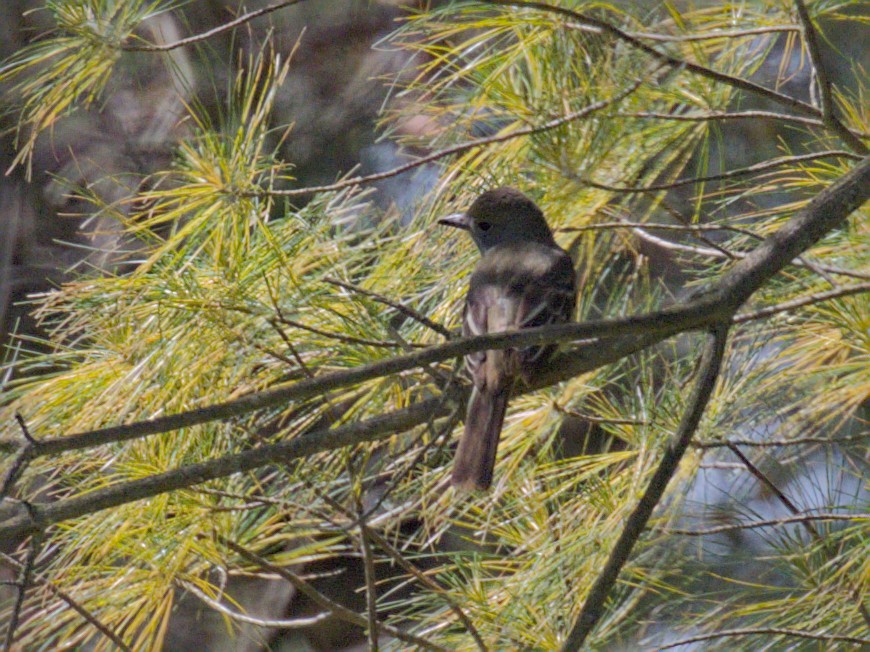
x: 475, y: 457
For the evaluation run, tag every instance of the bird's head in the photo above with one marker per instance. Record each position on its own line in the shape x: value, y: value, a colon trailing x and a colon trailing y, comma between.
x: 499, y: 216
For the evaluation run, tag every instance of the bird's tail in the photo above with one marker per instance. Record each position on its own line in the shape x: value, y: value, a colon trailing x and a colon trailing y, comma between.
x: 475, y: 458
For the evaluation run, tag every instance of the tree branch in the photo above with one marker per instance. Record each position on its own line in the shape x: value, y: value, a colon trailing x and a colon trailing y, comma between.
x: 793, y: 103
x: 594, y: 606
x: 197, y: 38
x: 71, y: 603
x: 627, y: 335
x: 724, y: 176
x: 462, y: 147
x: 766, y: 631
x: 340, y: 611
x: 803, y: 519
x: 232, y: 614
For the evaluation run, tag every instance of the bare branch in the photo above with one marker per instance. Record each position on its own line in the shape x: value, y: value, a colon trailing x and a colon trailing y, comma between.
x: 759, y: 631
x: 197, y: 38
x: 793, y: 103
x: 340, y: 611
x: 285, y: 623
x: 73, y: 604
x: 803, y: 519
x: 724, y: 176
x: 402, y: 308
x: 714, y: 304
x: 462, y: 147
x: 594, y: 606
x: 803, y: 301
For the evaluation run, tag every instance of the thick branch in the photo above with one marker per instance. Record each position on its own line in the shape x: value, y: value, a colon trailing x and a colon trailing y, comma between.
x: 627, y: 335
x: 594, y: 606
x: 828, y: 210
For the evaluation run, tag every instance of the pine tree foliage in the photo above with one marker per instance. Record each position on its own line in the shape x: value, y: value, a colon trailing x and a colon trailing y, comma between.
x: 241, y: 289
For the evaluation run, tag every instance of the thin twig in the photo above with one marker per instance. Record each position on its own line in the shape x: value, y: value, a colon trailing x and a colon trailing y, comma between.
x: 285, y: 623
x: 369, y: 573
x: 340, y: 611
x: 766, y: 631
x: 73, y: 604
x: 681, y: 64
x: 767, y: 482
x: 338, y: 337
x: 722, y: 115
x: 461, y: 147
x: 803, y: 519
x: 25, y: 574
x: 772, y: 443
x: 854, y: 588
x: 820, y: 74
x: 573, y: 413
x: 652, y: 226
x: 197, y: 38
x: 410, y: 568
x: 730, y: 174
x: 594, y: 606
x: 707, y: 36
x: 713, y: 253
x: 18, y: 466
x: 402, y: 308
x: 811, y: 299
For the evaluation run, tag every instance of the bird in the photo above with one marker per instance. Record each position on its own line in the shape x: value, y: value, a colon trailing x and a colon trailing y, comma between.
x: 524, y: 279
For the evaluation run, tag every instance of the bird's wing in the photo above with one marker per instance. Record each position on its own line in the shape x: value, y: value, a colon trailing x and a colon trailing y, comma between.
x: 548, y: 297
x: 490, y: 309
x: 516, y: 287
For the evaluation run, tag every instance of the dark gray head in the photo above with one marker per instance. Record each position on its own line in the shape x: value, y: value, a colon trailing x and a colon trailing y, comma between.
x: 502, y: 215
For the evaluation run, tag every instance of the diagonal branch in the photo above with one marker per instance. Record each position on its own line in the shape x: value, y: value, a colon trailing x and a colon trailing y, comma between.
x: 38, y: 516
x: 819, y: 73
x: 594, y: 606
x: 680, y: 64
x: 749, y: 170
x: 338, y: 610
x: 803, y: 519
x: 826, y: 545
x: 716, y: 304
x: 766, y: 631
x: 197, y: 38
x: 463, y: 147
x: 828, y: 210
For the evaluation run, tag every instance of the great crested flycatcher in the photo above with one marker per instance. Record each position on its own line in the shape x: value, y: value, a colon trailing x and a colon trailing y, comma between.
x: 524, y: 279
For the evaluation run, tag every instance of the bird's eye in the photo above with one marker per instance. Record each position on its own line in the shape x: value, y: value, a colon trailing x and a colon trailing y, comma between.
x: 483, y: 226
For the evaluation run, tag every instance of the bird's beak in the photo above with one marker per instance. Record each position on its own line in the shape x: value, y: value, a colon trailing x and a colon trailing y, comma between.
x: 459, y: 220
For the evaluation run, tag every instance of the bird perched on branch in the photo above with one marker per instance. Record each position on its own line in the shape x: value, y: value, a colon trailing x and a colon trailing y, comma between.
x: 524, y: 279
